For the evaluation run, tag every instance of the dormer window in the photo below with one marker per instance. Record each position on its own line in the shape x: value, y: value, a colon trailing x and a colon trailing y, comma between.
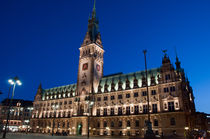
x: 120, y: 85
x: 113, y: 86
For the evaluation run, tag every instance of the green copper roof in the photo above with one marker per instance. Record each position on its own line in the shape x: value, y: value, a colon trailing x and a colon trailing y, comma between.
x: 130, y: 76
x: 60, y: 89
x: 111, y: 80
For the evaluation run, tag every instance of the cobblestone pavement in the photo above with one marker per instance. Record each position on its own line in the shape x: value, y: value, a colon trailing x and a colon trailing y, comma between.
x: 47, y: 136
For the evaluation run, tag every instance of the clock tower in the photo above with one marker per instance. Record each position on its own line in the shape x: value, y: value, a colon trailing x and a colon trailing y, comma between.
x: 90, y: 69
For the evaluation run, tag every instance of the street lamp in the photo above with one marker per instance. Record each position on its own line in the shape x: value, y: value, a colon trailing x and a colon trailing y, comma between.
x: 13, y: 82
x: 149, y: 133
x: 55, y: 107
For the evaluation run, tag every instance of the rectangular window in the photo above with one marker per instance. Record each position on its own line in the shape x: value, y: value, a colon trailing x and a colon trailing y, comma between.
x: 128, y: 123
x: 112, y: 111
x: 120, y: 124
x: 154, y: 108
x: 105, y: 98
x: 99, y: 99
x: 105, y: 111
x: 145, y: 109
x: 136, y: 94
x: 171, y: 106
x: 166, y: 89
x: 172, y: 89
x: 137, y: 123
x: 167, y: 77
x: 173, y: 121
x: 112, y: 97
x: 105, y: 124
x: 120, y: 111
x: 127, y: 95
x: 70, y: 102
x: 155, y: 122
x: 60, y: 103
x: 127, y: 110
x: 119, y: 96
x: 136, y: 109
x: 112, y: 124
x: 98, y: 112
x: 144, y: 93
x: 153, y: 92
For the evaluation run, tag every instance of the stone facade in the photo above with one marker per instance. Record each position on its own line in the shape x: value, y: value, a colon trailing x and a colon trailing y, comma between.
x: 115, y: 104
x: 20, y: 114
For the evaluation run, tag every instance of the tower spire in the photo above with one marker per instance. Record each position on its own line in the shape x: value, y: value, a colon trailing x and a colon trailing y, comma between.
x: 94, y: 10
x: 178, y: 67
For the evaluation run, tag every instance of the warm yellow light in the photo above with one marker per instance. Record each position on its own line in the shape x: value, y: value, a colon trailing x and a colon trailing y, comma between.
x: 186, y: 128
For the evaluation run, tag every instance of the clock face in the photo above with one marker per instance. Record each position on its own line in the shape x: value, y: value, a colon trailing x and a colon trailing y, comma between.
x: 85, y: 66
x: 98, y: 67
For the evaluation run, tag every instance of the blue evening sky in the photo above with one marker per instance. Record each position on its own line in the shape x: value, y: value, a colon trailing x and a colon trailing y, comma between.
x: 39, y: 40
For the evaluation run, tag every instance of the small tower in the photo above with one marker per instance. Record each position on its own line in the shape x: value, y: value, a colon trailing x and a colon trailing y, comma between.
x: 167, y: 69
x: 178, y: 63
x: 39, y: 93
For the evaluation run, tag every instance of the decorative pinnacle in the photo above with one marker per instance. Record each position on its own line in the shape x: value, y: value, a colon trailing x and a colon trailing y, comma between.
x: 164, y: 51
x: 94, y: 10
x: 94, y: 6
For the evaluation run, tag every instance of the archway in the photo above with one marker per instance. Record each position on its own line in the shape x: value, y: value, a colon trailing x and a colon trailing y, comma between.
x: 79, y: 129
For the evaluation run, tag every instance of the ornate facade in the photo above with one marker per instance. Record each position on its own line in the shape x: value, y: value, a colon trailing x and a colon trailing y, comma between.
x: 115, y: 104
x: 20, y: 114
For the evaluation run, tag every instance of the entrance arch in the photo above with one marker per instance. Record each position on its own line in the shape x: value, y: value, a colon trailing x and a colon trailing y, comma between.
x: 79, y: 129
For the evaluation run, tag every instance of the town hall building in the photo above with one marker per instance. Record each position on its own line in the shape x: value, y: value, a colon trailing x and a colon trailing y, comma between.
x: 115, y: 105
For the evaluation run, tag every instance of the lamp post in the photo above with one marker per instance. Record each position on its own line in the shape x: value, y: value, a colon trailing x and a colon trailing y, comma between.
x: 15, y: 81
x: 55, y: 107
x: 149, y: 133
